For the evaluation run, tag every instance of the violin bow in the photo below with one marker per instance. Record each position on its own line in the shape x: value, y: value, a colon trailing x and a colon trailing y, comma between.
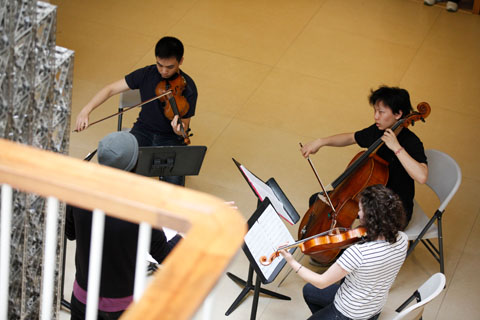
x: 323, y: 189
x: 128, y: 108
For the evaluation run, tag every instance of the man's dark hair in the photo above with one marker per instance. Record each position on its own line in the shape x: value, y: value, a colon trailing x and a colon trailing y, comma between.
x: 395, y: 98
x: 169, y: 47
x: 383, y: 213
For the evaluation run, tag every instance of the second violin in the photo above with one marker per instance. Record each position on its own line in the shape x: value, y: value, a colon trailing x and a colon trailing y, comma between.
x: 337, y: 238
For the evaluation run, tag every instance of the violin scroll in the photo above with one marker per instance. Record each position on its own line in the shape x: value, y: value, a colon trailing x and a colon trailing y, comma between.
x: 267, y: 261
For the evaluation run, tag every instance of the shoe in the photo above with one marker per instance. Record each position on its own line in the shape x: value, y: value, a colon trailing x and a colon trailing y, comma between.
x: 452, y: 6
x: 429, y: 2
x: 316, y: 263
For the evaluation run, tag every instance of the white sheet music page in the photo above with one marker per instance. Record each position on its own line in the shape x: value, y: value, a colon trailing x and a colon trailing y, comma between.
x: 265, y: 236
x: 263, y: 190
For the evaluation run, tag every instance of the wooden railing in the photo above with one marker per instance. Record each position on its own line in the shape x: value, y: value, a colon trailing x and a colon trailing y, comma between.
x: 213, y: 231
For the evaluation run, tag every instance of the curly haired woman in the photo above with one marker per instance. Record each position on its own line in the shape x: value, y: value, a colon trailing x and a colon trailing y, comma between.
x: 369, y: 268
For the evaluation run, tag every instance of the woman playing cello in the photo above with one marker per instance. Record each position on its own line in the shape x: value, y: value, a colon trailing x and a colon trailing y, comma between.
x: 404, y: 153
x: 369, y: 268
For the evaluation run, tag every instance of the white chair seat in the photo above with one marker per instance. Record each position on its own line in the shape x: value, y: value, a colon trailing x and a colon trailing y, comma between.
x: 418, y: 222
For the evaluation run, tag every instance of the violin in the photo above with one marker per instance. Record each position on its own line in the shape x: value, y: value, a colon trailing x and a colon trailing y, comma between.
x: 365, y: 169
x: 337, y: 238
x: 175, y: 103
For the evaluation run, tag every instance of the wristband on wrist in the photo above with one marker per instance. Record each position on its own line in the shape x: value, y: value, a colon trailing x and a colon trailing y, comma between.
x: 398, y: 151
x: 299, y: 269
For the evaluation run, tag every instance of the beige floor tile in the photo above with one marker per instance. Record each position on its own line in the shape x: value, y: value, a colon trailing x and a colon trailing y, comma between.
x: 130, y: 16
x: 379, y: 19
x: 305, y: 105
x: 344, y: 57
x: 257, y: 31
x: 102, y: 49
x: 445, y: 130
x: 443, y: 82
x: 461, y: 299
x: 443, y: 70
x: 224, y: 83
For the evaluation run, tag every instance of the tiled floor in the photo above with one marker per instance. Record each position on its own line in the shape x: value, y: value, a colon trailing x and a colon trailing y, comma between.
x: 272, y: 73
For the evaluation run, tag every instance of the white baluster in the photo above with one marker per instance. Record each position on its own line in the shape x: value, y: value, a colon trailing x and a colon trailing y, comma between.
x: 5, y: 248
x: 95, y: 264
x: 49, y: 257
x: 143, y: 247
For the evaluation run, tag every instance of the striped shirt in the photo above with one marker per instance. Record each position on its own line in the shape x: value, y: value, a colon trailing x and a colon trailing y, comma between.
x: 372, y: 267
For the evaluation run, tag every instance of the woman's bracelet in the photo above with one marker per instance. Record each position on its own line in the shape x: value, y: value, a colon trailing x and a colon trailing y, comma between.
x: 398, y: 151
x: 299, y: 269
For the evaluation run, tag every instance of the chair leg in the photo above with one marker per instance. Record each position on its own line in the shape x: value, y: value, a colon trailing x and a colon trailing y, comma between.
x: 440, y: 243
x: 415, y: 295
x: 420, y: 236
x: 439, y: 256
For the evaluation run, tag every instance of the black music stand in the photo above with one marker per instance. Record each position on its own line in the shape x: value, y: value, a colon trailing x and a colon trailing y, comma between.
x: 255, y: 266
x: 170, y: 161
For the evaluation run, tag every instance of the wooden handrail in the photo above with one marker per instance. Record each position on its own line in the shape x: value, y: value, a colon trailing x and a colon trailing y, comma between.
x: 213, y: 230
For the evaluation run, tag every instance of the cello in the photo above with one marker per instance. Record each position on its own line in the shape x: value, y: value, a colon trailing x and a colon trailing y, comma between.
x: 365, y: 169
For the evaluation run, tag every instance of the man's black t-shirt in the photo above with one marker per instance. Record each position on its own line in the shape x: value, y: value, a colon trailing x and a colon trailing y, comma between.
x: 398, y: 180
x: 151, y: 116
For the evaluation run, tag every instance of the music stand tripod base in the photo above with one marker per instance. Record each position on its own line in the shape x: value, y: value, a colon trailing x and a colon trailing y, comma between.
x: 247, y: 286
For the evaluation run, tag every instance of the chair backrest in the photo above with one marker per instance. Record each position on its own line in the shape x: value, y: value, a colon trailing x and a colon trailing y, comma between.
x: 444, y: 176
x: 130, y: 98
x: 428, y: 291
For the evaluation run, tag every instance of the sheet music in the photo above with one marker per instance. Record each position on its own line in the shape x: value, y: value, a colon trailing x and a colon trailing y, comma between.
x: 263, y: 190
x: 265, y: 236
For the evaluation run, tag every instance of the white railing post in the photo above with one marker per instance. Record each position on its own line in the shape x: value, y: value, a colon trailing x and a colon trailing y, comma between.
x: 5, y: 248
x: 143, y: 247
x: 49, y: 257
x: 95, y: 264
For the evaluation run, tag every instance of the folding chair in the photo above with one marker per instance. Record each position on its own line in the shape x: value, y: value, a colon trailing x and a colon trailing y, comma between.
x: 444, y: 177
x: 127, y: 99
x: 424, y: 294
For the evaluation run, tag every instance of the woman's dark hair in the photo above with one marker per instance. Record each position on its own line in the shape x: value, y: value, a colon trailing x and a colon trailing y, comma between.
x: 169, y: 47
x: 383, y: 213
x: 395, y: 98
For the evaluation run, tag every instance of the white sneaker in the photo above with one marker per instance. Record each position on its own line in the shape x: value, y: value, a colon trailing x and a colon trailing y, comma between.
x: 452, y: 6
x: 429, y: 2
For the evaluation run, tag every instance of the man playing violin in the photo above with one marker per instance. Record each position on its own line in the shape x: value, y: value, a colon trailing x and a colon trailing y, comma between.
x: 152, y: 127
x: 404, y: 153
x: 369, y: 268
